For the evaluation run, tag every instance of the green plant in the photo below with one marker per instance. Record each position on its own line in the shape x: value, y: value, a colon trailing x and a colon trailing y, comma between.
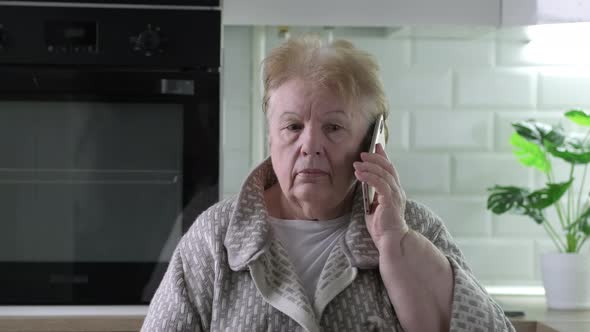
x: 536, y: 144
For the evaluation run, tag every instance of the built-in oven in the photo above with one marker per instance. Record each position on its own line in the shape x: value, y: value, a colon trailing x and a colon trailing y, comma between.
x: 109, y: 144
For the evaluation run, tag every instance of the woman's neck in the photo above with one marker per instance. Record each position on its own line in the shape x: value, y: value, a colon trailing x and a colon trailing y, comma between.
x: 279, y: 206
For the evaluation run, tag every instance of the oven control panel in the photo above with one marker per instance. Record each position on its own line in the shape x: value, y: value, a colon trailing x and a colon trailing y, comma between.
x: 63, y: 36
x: 110, y: 36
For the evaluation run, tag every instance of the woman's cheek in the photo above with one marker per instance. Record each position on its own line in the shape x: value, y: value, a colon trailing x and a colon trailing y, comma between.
x: 337, y: 137
x: 288, y: 137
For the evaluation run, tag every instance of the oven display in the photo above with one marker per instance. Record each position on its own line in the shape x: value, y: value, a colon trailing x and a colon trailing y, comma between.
x: 71, y: 36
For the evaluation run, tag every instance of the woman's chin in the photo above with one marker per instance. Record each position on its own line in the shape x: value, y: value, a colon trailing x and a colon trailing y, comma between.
x: 312, y: 193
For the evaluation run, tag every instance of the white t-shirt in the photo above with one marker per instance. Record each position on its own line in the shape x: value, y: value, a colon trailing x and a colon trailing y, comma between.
x: 309, y: 244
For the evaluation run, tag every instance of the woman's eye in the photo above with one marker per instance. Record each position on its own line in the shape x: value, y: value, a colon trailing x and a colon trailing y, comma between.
x: 333, y: 127
x: 294, y: 127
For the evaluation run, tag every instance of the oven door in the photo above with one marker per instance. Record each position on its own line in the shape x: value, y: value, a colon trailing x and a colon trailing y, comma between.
x: 101, y: 172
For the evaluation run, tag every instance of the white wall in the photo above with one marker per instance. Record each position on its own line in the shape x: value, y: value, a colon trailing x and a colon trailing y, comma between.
x: 453, y: 94
x: 236, y: 108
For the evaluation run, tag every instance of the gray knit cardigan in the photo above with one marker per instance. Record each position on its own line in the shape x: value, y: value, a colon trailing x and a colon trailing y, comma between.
x: 228, y: 274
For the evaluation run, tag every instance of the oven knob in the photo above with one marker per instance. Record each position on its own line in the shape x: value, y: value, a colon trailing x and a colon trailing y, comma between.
x: 149, y: 41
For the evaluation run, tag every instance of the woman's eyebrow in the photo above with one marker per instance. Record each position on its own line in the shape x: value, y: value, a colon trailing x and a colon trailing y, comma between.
x: 289, y: 114
x: 337, y: 113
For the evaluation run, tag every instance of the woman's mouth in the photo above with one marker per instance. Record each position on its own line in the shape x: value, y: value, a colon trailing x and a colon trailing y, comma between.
x: 311, y: 173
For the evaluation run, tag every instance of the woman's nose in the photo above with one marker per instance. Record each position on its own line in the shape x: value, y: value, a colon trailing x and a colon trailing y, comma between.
x: 311, y: 142
x: 305, y: 153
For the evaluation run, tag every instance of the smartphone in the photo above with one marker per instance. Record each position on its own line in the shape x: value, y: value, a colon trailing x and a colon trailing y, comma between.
x: 378, y: 137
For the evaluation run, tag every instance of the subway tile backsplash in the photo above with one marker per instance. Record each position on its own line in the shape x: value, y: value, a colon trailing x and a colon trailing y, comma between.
x: 495, y: 88
x: 452, y: 102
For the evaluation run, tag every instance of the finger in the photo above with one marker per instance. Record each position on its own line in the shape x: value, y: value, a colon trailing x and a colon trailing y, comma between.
x: 375, y: 169
x: 390, y: 167
x: 377, y: 159
x: 396, y: 176
x: 381, y: 186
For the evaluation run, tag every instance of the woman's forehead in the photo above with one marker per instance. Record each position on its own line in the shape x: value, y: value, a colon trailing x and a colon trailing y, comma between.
x: 299, y: 96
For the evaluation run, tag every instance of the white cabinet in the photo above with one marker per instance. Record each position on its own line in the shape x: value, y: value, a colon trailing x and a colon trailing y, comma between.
x: 387, y: 13
x: 369, y: 13
x: 531, y: 12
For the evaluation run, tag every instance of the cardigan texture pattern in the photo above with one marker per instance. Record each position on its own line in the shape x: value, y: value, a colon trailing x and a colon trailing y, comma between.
x: 228, y: 273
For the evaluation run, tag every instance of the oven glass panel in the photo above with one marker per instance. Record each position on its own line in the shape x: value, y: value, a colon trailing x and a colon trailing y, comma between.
x: 90, y: 181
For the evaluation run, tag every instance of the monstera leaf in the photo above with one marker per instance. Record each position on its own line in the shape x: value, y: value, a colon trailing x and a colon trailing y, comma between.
x: 520, y: 201
x: 512, y: 199
x: 539, y: 133
x: 505, y: 198
x: 529, y: 154
x: 582, y: 222
x: 545, y: 197
x: 572, y: 149
x: 578, y: 117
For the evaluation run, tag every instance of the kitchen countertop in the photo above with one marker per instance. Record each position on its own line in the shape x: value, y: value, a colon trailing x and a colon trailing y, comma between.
x: 72, y: 318
x: 129, y: 318
x: 67, y: 310
x: 535, y: 309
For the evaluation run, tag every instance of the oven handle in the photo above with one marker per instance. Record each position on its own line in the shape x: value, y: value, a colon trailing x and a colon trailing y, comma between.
x: 177, y: 87
x: 139, y: 83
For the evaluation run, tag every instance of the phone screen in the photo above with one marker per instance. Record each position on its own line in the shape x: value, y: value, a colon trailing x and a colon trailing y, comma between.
x: 378, y: 137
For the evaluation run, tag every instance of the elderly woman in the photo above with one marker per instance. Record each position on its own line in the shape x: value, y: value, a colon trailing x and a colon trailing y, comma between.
x: 295, y: 251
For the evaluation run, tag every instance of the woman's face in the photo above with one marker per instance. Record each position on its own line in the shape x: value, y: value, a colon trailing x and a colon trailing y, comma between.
x: 314, y: 139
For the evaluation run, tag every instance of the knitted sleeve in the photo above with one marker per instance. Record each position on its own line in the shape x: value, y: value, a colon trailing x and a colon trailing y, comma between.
x: 171, y: 308
x: 183, y: 301
x: 473, y: 309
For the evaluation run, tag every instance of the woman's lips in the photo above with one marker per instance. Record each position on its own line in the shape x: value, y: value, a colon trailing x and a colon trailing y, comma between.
x: 311, y: 173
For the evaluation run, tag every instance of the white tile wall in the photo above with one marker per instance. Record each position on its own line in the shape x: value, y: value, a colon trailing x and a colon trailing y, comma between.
x: 423, y: 173
x: 236, y: 108
x: 509, y: 53
x: 517, y: 52
x: 464, y: 216
x: 389, y: 50
x: 566, y: 87
x: 452, y: 130
x: 496, y: 88
x: 418, y: 87
x: 473, y: 173
x: 500, y: 259
x: 398, y: 124
x: 453, y: 52
x: 452, y: 101
x: 235, y: 170
x: 515, y: 226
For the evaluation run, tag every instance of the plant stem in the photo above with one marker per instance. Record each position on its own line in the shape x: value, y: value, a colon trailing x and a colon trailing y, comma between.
x: 558, y: 203
x: 585, y: 138
x: 554, y: 236
x: 572, y: 242
x: 560, y: 214
x: 581, y: 244
x: 578, y: 210
x: 570, y: 193
x: 559, y: 211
